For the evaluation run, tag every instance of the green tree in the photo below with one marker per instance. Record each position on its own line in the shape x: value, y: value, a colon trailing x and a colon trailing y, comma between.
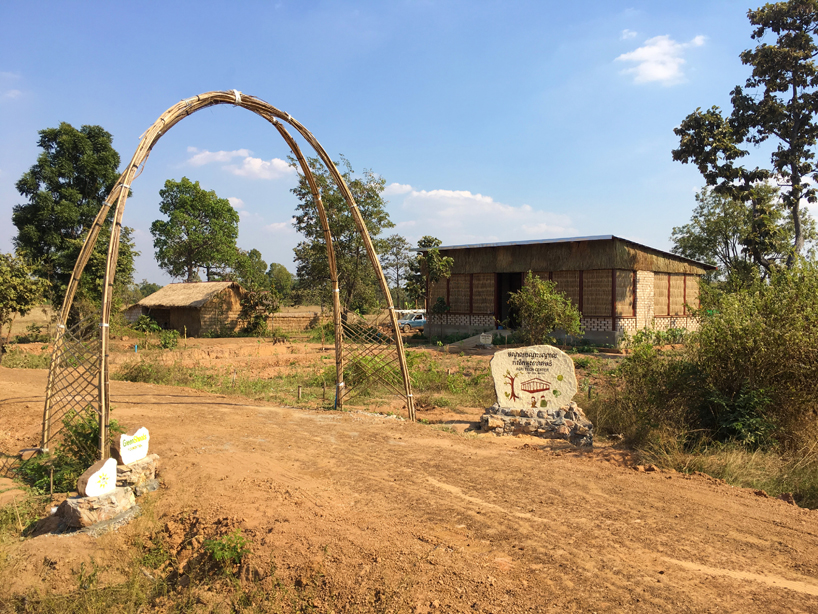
x: 20, y: 290
x: 281, y: 280
x: 250, y: 270
x: 416, y: 279
x: 136, y: 292
x: 395, y: 261
x: 719, y: 234
x: 66, y: 188
x: 358, y: 283
x: 437, y: 267
x: 256, y: 308
x: 543, y: 310
x: 779, y: 105
x: 200, y: 232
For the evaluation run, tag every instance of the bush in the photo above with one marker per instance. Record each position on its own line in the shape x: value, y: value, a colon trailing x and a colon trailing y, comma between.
x: 542, y: 310
x: 749, y: 376
x: 168, y: 339
x: 77, y: 451
x: 650, y: 391
x: 146, y: 324
x: 228, y: 551
x: 757, y: 352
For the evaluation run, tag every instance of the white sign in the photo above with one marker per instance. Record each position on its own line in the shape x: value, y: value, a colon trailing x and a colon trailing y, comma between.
x: 99, y: 479
x: 485, y: 338
x: 133, y: 446
x: 539, y: 376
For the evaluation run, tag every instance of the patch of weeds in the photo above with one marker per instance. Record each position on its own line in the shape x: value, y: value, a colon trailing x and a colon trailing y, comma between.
x: 168, y: 339
x: 20, y: 359
x: 228, y: 551
x: 445, y: 429
x: 17, y: 517
x: 775, y: 474
x: 71, y: 457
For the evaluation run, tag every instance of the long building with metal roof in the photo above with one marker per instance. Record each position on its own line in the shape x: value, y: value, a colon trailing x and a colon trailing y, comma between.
x: 618, y: 285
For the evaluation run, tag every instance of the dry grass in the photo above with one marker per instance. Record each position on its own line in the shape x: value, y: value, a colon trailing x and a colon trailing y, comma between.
x: 775, y: 474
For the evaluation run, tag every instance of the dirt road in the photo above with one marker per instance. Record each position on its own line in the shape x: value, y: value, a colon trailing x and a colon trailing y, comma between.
x: 402, y: 517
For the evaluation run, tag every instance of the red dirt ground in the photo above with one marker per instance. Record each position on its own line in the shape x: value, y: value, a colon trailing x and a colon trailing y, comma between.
x: 404, y: 517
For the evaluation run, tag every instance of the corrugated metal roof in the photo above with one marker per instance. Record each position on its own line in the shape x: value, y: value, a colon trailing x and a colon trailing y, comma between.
x: 567, y: 240
x: 534, y: 242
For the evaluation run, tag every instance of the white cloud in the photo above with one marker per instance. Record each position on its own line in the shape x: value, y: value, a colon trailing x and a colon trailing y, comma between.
x: 12, y: 94
x: 281, y: 227
x: 256, y: 168
x: 237, y: 203
x: 9, y: 75
x: 626, y: 34
x: 397, y: 188
x: 659, y: 59
x: 459, y: 216
x: 201, y: 157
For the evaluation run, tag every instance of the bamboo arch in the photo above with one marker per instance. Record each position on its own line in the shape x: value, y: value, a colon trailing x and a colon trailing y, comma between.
x: 119, y: 196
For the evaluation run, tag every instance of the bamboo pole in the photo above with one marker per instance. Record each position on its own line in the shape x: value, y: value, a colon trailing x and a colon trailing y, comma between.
x: 148, y: 140
x: 333, y: 269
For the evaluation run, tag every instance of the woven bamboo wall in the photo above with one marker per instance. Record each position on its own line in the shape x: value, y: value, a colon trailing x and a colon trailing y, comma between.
x: 541, y: 274
x: 568, y: 283
x: 460, y: 293
x: 435, y: 290
x: 596, y: 293
x: 624, y: 293
x: 693, y: 291
x: 677, y: 295
x: 483, y: 293
x: 660, y: 305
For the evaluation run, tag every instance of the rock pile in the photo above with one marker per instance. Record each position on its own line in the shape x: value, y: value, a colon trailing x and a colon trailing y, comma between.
x: 568, y: 422
x: 534, y: 386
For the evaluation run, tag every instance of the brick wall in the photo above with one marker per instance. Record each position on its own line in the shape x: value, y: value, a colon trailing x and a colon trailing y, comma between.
x: 675, y: 322
x: 297, y: 322
x: 644, y: 299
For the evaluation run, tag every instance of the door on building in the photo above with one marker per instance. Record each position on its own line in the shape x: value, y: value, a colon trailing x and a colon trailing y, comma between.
x: 506, y: 284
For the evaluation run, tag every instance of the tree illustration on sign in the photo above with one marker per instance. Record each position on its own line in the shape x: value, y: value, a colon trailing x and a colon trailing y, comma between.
x: 508, y: 376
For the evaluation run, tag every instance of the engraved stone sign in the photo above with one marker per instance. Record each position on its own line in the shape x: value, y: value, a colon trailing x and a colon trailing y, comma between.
x: 486, y: 338
x: 539, y: 376
x: 131, y: 447
x: 98, y: 479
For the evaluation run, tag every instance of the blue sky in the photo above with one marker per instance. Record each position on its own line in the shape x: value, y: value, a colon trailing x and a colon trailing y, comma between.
x: 490, y: 121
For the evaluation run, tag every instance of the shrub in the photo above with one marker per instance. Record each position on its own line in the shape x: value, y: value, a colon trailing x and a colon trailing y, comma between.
x: 168, y: 339
x: 748, y: 376
x: 542, y: 310
x: 77, y: 451
x: 146, y: 324
x: 229, y: 550
x: 757, y: 352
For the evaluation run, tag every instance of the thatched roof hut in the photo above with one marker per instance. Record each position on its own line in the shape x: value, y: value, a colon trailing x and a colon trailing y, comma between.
x: 192, y: 308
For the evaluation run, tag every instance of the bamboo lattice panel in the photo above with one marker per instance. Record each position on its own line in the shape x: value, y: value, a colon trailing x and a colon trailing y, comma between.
x: 483, y: 293
x: 660, y: 299
x: 624, y: 293
x: 75, y: 365
x: 437, y: 289
x: 371, y: 362
x: 596, y: 293
x: 460, y: 293
x: 677, y: 295
x: 693, y: 291
x: 568, y: 283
